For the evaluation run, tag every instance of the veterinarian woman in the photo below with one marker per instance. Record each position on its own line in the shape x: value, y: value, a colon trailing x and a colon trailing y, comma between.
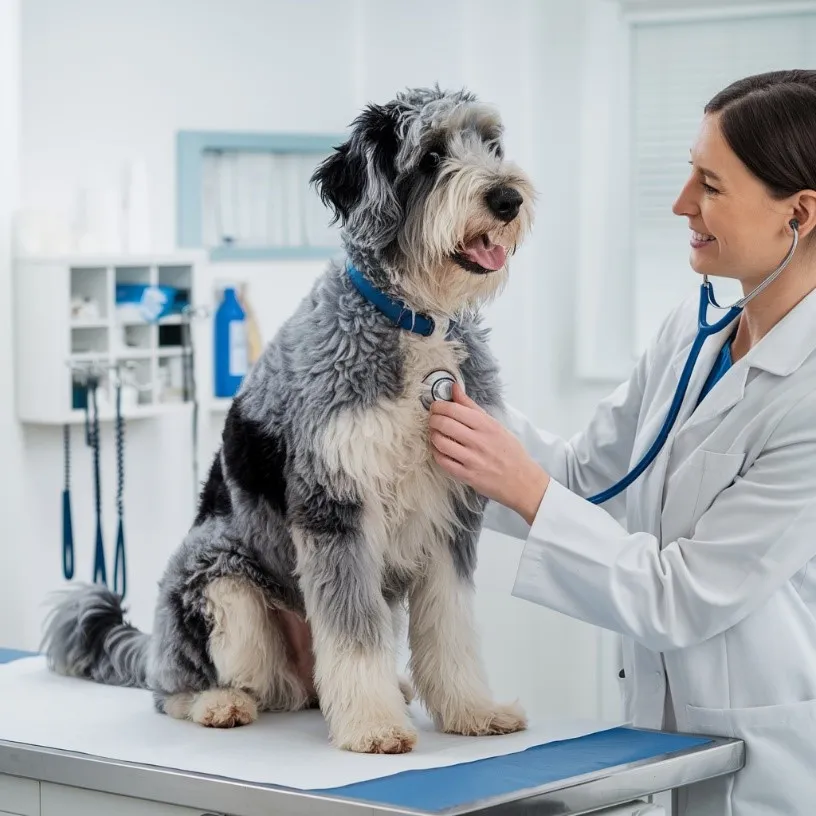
x: 711, y: 576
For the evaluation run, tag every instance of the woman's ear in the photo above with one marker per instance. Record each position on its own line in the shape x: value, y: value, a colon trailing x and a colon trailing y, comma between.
x: 804, y: 211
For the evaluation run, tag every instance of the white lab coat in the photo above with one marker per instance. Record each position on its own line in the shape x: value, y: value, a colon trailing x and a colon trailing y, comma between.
x: 711, y: 576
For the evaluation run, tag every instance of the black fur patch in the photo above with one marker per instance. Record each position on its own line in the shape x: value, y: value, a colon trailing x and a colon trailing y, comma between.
x: 254, y: 458
x: 192, y: 635
x: 214, y: 499
x: 380, y: 131
x: 339, y: 181
x: 323, y: 516
x: 340, y: 178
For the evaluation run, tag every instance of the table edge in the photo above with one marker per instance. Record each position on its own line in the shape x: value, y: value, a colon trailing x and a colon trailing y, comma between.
x: 242, y: 798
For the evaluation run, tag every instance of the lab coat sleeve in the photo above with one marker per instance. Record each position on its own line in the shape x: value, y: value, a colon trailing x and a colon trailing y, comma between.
x: 757, y: 534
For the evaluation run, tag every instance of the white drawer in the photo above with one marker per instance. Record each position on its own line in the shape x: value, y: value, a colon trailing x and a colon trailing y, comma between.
x: 61, y: 800
x: 19, y: 796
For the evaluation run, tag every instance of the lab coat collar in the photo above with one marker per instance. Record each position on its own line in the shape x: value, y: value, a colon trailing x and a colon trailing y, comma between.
x: 780, y: 352
x: 791, y: 341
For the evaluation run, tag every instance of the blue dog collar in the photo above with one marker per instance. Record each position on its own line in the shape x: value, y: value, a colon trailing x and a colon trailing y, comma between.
x: 395, y: 310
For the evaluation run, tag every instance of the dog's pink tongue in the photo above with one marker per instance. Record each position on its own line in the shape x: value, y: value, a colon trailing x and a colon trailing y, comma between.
x: 487, y: 255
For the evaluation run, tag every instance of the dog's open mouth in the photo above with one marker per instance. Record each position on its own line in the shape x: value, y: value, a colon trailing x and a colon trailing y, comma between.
x: 481, y: 256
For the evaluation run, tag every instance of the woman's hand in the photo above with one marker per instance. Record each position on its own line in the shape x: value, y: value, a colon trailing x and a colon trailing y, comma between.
x: 478, y: 450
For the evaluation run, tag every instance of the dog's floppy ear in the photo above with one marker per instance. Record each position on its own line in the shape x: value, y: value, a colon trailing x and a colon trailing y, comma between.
x: 341, y: 178
x: 378, y: 126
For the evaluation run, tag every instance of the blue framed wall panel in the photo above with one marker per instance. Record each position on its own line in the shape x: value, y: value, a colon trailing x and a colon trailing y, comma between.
x: 191, y: 147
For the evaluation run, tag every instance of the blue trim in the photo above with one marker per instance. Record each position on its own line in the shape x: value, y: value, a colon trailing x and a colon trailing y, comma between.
x: 438, y: 789
x: 191, y: 146
x: 10, y: 655
x: 284, y: 253
x: 395, y: 310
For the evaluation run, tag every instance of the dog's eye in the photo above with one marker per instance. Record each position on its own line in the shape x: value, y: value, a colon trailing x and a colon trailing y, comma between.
x: 431, y: 160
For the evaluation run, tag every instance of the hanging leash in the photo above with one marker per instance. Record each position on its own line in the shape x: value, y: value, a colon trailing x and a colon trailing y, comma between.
x: 67, y: 524
x: 190, y: 393
x: 100, y: 574
x: 119, y: 565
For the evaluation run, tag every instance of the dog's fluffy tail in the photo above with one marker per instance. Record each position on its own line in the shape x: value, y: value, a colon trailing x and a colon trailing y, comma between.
x: 86, y: 636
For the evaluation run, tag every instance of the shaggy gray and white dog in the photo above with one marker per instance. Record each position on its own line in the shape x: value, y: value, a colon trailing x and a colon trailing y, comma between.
x: 324, y: 513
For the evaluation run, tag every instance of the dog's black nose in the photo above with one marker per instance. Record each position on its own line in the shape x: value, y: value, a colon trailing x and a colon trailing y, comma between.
x: 504, y: 202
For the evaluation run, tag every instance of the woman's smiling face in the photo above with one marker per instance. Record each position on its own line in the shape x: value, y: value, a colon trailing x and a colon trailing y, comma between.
x: 738, y: 229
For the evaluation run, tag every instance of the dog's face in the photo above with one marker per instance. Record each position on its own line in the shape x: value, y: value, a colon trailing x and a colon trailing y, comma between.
x: 422, y: 189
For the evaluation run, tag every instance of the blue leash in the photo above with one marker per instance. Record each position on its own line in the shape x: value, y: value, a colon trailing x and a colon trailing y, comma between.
x: 704, y: 331
x: 67, y: 525
x: 119, y: 565
x: 100, y: 573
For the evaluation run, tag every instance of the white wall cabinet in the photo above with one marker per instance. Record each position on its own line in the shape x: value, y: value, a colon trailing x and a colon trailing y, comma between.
x: 70, y: 321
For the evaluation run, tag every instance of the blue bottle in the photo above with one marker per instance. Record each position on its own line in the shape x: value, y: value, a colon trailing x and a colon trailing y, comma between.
x: 230, y: 345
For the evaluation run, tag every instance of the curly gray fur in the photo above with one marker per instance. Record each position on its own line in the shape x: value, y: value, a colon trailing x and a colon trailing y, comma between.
x: 87, y: 636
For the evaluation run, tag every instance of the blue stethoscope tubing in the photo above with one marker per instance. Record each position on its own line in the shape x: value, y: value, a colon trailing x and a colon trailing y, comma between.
x: 704, y: 331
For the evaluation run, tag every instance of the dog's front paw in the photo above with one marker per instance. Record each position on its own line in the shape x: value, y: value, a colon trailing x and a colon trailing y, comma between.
x: 223, y: 708
x: 376, y: 738
x: 487, y: 719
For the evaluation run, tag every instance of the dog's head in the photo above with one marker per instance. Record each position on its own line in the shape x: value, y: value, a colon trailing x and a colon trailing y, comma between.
x: 424, y: 195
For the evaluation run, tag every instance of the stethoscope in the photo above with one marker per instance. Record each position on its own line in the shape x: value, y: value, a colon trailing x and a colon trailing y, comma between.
x: 704, y: 331
x: 439, y: 384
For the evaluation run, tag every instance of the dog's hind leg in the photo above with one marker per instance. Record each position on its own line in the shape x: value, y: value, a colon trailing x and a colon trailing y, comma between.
x: 248, y: 652
x: 352, y: 626
x: 248, y: 648
x: 445, y: 662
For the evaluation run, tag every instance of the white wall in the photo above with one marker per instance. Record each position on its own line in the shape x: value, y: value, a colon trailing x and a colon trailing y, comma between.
x: 11, y: 450
x: 104, y: 80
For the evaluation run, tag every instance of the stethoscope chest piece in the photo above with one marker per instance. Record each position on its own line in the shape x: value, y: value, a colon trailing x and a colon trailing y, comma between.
x: 438, y: 386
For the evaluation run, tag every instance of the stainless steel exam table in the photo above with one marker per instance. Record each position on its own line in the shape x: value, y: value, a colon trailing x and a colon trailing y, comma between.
x: 618, y: 766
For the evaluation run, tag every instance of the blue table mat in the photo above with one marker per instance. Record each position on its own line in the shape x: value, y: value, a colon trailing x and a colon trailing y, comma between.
x: 438, y: 789
x: 8, y: 655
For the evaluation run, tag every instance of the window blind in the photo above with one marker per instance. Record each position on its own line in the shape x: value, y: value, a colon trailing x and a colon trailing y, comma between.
x: 257, y: 199
x: 676, y: 67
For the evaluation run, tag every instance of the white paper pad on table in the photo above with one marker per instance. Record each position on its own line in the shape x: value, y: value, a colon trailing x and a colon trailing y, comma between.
x: 289, y: 750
